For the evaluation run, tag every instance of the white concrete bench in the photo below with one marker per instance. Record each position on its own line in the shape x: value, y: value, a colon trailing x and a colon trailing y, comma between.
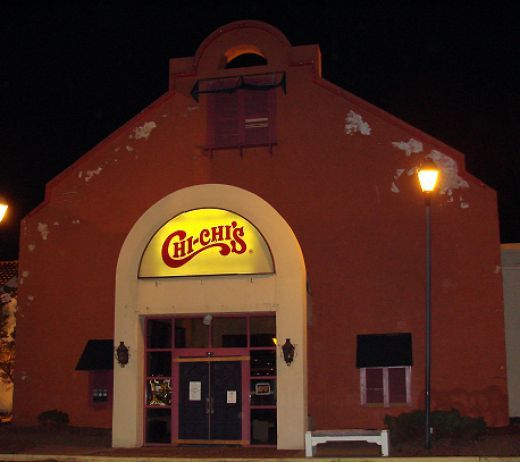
x: 313, y: 438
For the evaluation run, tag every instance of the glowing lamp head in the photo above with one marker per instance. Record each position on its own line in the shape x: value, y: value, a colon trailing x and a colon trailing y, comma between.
x: 428, y: 175
x: 3, y: 208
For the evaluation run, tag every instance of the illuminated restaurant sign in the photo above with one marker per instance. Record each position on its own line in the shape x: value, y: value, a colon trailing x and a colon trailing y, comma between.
x: 205, y: 242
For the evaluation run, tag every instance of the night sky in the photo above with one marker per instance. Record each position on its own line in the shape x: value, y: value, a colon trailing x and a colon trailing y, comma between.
x: 73, y: 72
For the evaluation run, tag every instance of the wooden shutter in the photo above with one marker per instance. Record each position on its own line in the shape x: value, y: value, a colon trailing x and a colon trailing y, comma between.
x: 223, y: 117
x: 397, y: 385
x: 374, y: 386
x: 241, y: 117
x: 258, y: 117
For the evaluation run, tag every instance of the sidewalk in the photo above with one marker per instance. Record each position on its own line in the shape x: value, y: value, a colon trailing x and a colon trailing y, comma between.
x: 86, y: 445
x: 69, y: 444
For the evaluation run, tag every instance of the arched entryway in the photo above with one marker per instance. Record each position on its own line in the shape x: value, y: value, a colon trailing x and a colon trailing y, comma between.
x: 281, y: 294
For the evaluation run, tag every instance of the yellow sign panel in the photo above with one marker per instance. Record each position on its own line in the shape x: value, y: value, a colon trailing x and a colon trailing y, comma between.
x: 205, y: 242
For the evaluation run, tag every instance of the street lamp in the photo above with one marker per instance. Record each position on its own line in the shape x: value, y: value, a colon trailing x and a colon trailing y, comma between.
x: 3, y: 208
x: 428, y: 174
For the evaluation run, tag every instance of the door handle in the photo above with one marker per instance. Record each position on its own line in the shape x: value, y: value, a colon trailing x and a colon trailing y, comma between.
x: 211, y: 408
x: 208, y: 404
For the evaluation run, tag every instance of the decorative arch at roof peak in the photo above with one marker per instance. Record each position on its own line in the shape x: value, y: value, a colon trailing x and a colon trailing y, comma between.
x: 241, y: 37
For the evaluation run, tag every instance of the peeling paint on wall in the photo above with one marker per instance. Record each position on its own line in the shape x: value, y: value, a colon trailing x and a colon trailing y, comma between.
x: 43, y: 229
x: 354, y: 123
x: 91, y: 173
x: 143, y: 132
x: 463, y: 205
x: 449, y: 178
x: 24, y: 275
x: 31, y: 247
x: 129, y: 148
x: 409, y: 147
x: 398, y: 173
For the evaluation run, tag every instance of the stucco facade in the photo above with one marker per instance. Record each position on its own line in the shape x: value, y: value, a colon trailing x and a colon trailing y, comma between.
x: 336, y: 197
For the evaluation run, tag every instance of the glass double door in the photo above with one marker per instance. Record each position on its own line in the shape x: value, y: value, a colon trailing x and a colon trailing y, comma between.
x: 210, y: 401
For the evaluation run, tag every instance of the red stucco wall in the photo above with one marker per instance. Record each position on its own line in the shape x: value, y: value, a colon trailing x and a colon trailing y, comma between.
x: 363, y: 244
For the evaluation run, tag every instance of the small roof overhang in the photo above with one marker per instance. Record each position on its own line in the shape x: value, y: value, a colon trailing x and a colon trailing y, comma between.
x: 384, y: 350
x: 98, y: 355
x: 256, y: 82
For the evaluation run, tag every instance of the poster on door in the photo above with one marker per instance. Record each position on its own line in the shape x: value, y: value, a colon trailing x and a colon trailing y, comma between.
x: 231, y: 397
x: 195, y: 391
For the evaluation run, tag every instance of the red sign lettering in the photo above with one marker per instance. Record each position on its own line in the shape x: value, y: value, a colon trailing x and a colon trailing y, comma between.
x: 179, y: 248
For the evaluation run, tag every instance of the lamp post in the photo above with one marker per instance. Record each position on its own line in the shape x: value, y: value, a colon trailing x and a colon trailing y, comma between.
x: 428, y: 174
x: 3, y: 208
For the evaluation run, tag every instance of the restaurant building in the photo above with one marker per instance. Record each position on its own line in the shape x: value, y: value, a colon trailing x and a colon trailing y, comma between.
x: 244, y: 260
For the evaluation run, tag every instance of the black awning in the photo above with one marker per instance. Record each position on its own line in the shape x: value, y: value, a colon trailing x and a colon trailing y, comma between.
x: 257, y: 82
x: 384, y: 350
x: 98, y: 355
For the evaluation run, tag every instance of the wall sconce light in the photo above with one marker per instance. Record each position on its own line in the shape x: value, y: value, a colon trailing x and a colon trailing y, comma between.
x: 122, y: 354
x: 288, y: 351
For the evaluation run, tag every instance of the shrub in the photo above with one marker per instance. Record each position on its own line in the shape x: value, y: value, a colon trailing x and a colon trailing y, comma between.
x: 406, y: 426
x: 53, y: 418
x: 453, y: 425
x: 445, y: 424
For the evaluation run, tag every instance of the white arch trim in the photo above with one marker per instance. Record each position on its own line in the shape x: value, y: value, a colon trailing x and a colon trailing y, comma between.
x: 283, y: 293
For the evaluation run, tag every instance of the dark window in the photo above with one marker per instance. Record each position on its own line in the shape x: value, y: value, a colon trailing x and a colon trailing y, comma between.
x: 159, y: 364
x: 229, y: 332
x: 263, y: 331
x: 384, y: 361
x: 263, y: 363
x: 159, y: 333
x: 158, y: 425
x: 263, y: 392
x: 263, y: 426
x: 374, y: 386
x: 397, y: 392
x: 191, y: 333
x: 385, y: 385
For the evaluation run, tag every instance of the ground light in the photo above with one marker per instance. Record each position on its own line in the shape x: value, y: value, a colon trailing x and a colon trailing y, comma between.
x: 428, y: 174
